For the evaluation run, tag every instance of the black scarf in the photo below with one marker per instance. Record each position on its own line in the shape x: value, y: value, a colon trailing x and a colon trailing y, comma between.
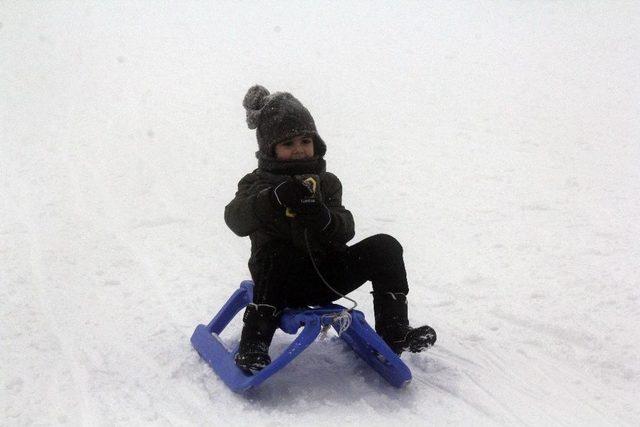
x: 315, y: 165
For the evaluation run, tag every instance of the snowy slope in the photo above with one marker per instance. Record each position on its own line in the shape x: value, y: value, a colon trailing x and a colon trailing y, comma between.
x: 498, y: 141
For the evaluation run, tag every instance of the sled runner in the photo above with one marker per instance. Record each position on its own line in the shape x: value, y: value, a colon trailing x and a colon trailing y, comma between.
x: 359, y: 335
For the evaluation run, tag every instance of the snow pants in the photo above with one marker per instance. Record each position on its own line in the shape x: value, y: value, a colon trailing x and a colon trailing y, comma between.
x: 285, y: 277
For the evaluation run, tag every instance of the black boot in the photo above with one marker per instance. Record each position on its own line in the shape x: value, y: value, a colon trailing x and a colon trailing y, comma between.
x: 392, y: 324
x: 260, y: 323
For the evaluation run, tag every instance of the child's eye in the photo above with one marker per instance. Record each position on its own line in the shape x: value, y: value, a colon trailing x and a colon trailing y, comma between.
x: 307, y: 141
x: 287, y: 143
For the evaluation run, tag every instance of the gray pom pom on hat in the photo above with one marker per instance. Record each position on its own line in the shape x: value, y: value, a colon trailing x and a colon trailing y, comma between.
x: 278, y: 117
x: 253, y: 102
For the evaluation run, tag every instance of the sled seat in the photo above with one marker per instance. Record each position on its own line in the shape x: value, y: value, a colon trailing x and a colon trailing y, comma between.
x: 359, y: 335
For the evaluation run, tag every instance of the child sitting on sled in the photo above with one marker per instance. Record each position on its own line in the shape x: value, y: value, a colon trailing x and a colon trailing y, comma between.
x: 291, y: 209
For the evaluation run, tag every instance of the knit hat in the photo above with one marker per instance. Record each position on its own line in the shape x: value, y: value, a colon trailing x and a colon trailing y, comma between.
x: 278, y: 117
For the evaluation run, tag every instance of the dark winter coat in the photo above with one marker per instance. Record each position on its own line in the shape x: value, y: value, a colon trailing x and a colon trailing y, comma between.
x: 253, y: 213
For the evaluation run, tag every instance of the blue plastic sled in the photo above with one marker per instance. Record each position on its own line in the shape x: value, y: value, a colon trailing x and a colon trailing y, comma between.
x: 360, y: 336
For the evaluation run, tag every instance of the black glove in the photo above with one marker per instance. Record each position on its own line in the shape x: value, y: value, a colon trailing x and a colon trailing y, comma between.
x: 297, y: 196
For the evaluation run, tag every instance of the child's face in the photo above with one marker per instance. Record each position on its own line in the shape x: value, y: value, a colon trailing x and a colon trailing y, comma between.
x: 297, y: 148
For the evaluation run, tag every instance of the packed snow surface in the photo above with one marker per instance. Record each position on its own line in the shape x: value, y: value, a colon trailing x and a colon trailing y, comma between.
x: 499, y: 142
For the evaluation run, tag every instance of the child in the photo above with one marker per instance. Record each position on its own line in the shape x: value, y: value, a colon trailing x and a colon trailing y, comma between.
x: 291, y: 209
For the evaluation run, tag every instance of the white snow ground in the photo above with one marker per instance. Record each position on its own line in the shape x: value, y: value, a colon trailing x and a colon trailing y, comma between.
x: 498, y: 141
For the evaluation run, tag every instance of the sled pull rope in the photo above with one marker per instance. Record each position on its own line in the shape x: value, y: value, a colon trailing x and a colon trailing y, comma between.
x: 343, y: 319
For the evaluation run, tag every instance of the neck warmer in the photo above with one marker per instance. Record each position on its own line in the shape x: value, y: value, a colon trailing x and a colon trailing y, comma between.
x: 315, y: 165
